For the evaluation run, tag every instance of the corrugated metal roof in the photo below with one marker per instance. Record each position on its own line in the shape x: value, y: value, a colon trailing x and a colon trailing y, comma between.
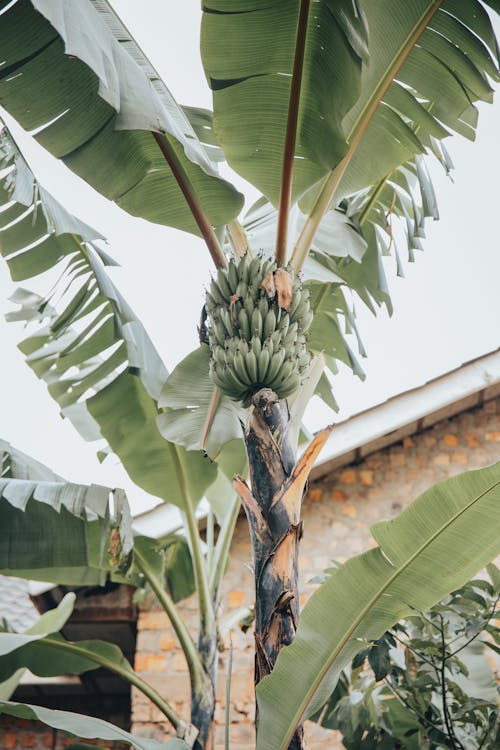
x: 410, y: 412
x: 15, y: 604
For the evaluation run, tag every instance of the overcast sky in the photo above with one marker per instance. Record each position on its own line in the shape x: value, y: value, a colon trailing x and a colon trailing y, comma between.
x: 447, y: 309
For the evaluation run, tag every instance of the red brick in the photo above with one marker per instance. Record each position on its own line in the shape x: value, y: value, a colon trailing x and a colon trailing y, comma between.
x: 348, y: 477
x: 339, y: 496
x: 237, y: 598
x: 442, y: 459
x: 493, y: 437
x: 9, y: 740
x: 153, y: 621
x: 366, y: 477
x: 472, y: 440
x: 166, y: 643
x: 28, y: 740
x: 315, y: 495
x: 451, y: 440
x: 150, y: 662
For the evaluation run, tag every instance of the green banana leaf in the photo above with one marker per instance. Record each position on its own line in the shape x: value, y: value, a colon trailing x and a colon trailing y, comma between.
x: 53, y: 655
x: 187, y: 396
x: 351, y: 109
x: 86, y: 727
x: 251, y: 83
x: 169, y: 559
x: 91, y: 349
x: 50, y: 622
x: 74, y: 76
x: 53, y: 530
x: 439, y: 542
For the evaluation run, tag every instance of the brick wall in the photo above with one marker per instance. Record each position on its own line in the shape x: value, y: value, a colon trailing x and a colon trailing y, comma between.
x: 337, y: 514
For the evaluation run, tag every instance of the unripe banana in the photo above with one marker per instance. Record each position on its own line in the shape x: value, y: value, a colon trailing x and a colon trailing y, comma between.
x: 291, y: 336
x: 253, y: 342
x: 276, y: 339
x: 290, y: 386
x: 268, y: 346
x: 263, y: 365
x: 244, y: 324
x: 248, y: 305
x: 251, y: 365
x: 254, y: 267
x: 223, y: 284
x: 232, y: 275
x: 218, y: 380
x: 284, y: 326
x: 242, y: 289
x: 267, y: 265
x: 220, y: 331
x: 219, y: 356
x: 256, y: 345
x: 302, y: 308
x: 283, y: 374
x: 240, y: 369
x: 263, y: 307
x: 244, y: 270
x: 274, y: 365
x: 269, y: 323
x: 210, y: 302
x: 226, y: 321
x: 306, y: 321
x: 216, y: 293
x: 234, y: 381
x: 256, y: 324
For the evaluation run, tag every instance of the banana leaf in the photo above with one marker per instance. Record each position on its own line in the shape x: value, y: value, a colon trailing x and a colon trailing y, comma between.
x: 74, y: 77
x: 53, y: 530
x: 86, y: 727
x: 89, y: 346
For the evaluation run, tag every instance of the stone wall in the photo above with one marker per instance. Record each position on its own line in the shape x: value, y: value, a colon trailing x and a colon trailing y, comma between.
x: 337, y: 514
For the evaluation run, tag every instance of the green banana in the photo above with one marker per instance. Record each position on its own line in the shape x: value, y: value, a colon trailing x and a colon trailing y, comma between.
x: 253, y: 342
x: 232, y: 275
x: 263, y: 365
x: 256, y: 324
x: 240, y: 368
x: 216, y: 293
x: 251, y: 365
x: 256, y: 345
x: 244, y: 323
x: 274, y: 365
x: 223, y: 284
x: 269, y: 323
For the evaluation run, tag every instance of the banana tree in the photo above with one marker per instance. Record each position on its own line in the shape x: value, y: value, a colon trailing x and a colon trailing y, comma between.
x: 330, y: 109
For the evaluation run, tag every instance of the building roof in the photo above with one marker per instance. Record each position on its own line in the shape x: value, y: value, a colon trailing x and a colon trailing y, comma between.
x: 15, y: 605
x: 410, y: 412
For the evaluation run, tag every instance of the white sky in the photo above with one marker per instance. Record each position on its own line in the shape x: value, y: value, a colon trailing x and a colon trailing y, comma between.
x: 447, y: 309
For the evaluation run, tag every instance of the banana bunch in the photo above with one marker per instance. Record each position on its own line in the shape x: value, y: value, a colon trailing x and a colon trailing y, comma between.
x: 257, y: 318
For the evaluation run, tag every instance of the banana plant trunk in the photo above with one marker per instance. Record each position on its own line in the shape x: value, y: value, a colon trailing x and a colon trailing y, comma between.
x: 203, y: 696
x: 272, y: 507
